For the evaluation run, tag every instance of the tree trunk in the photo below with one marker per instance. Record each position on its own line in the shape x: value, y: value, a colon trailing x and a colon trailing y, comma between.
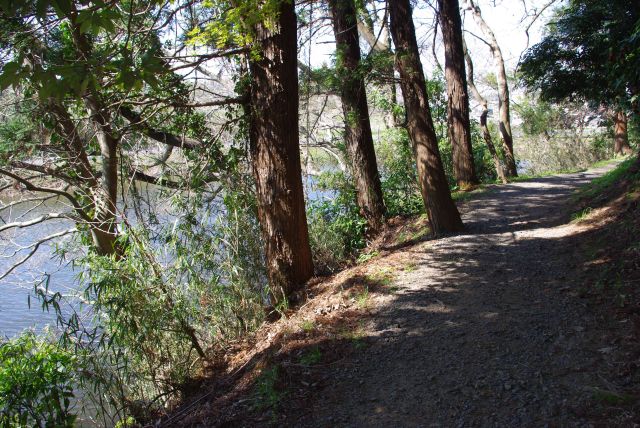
x: 105, y: 196
x: 356, y: 114
x: 621, y: 135
x: 275, y: 154
x: 503, y: 90
x: 483, y: 116
x: 459, y: 128
x: 441, y: 210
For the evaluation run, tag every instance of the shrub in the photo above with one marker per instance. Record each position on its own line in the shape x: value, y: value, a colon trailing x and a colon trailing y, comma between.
x: 398, y: 173
x: 36, y: 383
x: 336, y: 228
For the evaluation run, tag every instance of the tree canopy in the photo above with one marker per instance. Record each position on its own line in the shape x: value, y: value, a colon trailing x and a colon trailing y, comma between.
x: 591, y: 52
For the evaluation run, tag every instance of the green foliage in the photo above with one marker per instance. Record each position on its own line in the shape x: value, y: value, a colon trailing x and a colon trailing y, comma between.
x: 36, y: 383
x: 591, y: 52
x: 190, y: 284
x: 598, y: 186
x: 267, y: 394
x: 233, y: 24
x: 336, y: 228
x: 537, y: 117
x: 436, y: 88
x: 397, y: 168
x: 17, y: 135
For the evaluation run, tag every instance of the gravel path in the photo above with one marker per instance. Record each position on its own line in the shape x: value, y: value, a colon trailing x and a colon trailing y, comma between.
x: 484, y: 332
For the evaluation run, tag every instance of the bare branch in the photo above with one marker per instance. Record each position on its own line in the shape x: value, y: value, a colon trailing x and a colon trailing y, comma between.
x: 34, y: 247
x: 32, y: 187
x: 37, y: 220
x: 155, y: 134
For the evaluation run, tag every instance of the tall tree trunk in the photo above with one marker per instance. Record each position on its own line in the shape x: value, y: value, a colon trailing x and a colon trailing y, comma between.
x: 503, y: 90
x: 275, y: 153
x: 483, y: 116
x: 621, y: 135
x: 459, y: 128
x: 105, y: 196
x: 442, y: 212
x: 356, y: 114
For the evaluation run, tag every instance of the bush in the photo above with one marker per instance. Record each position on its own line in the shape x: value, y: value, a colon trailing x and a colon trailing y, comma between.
x: 397, y: 168
x: 36, y: 383
x: 180, y: 290
x: 336, y: 228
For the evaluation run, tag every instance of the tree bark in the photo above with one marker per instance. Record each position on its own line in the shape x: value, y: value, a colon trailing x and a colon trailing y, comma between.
x: 441, y: 210
x: 105, y: 196
x: 459, y: 127
x: 356, y: 114
x: 483, y: 116
x: 503, y: 90
x: 621, y: 135
x: 275, y: 154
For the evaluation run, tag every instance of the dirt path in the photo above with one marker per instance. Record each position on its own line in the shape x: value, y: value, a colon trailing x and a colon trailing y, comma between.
x: 485, y: 331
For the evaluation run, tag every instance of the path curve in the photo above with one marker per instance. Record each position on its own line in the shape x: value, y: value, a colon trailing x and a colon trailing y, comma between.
x: 483, y: 332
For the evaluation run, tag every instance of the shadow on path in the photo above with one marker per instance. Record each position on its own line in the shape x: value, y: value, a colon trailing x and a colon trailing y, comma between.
x: 484, y: 330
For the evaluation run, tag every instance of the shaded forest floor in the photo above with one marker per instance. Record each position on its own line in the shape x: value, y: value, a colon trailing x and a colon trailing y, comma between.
x: 529, y: 318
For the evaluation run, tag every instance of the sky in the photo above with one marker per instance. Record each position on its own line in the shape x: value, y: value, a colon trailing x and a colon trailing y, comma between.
x: 504, y: 18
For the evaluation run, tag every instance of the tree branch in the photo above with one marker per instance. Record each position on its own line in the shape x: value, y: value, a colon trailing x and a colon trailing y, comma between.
x: 37, y: 220
x: 34, y: 247
x: 32, y: 187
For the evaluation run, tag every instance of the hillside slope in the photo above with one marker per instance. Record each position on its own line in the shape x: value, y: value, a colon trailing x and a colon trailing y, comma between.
x: 489, y: 327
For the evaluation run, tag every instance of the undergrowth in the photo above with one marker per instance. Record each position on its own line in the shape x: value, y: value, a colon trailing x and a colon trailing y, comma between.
x: 601, y: 185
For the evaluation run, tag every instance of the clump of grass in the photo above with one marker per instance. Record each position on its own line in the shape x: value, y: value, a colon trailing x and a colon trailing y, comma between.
x: 611, y: 397
x: 314, y: 356
x: 581, y: 215
x: 410, y: 267
x: 307, y: 326
x: 382, y: 276
x: 355, y: 336
x: 267, y: 395
x: 465, y: 195
x: 366, y: 256
x: 362, y: 298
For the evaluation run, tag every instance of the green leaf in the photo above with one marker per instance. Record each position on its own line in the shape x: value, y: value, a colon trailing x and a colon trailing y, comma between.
x: 63, y: 7
x: 10, y: 75
x: 41, y: 8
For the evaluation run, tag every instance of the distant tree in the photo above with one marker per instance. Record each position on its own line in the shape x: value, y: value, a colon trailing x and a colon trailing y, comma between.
x: 459, y: 127
x: 486, y: 134
x: 621, y: 133
x: 590, y: 53
x: 441, y: 210
x: 353, y: 95
x: 504, y: 100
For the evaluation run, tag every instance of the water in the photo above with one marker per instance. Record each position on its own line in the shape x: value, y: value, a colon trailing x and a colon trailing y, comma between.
x: 18, y: 287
